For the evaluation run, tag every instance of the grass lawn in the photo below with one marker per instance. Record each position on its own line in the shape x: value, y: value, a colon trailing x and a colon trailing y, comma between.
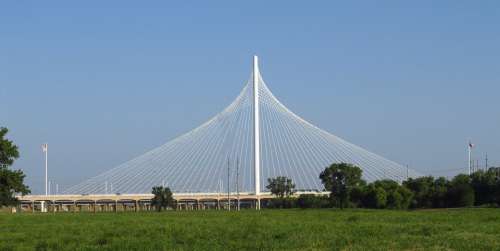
x: 454, y: 229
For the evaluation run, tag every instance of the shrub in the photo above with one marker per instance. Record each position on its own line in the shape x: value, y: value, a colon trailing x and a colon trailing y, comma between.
x: 312, y: 201
x: 461, y: 195
x: 282, y: 203
x: 375, y: 197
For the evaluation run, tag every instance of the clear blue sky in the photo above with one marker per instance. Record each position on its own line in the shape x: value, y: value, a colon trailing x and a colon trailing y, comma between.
x: 105, y: 81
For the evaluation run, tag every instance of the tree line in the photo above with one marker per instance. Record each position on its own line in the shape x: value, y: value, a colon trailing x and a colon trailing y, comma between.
x: 348, y: 190
x: 343, y: 181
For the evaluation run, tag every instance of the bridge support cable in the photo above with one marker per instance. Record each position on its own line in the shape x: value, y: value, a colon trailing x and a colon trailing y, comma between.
x: 266, y: 137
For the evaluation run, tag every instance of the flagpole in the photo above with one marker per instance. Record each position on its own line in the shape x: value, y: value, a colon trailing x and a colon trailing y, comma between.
x: 46, y: 169
x: 470, y: 153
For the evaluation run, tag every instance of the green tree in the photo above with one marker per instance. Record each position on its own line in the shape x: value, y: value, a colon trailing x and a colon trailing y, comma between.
x: 439, y: 192
x: 496, y: 194
x: 422, y: 191
x: 398, y: 197
x: 461, y: 193
x: 340, y: 179
x: 484, y: 184
x: 374, y: 197
x: 407, y: 196
x: 356, y: 196
x: 11, y: 181
x: 281, y: 186
x: 163, y: 198
x: 461, y: 179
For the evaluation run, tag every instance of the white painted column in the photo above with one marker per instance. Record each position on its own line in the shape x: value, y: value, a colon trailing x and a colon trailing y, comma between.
x: 256, y: 118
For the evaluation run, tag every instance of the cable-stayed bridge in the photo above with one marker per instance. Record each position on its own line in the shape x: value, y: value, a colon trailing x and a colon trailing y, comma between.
x: 257, y: 137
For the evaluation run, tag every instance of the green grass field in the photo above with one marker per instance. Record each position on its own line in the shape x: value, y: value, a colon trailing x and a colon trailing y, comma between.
x: 457, y: 229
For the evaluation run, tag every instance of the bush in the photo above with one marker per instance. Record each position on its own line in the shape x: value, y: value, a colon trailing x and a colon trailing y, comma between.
x: 313, y: 201
x: 356, y: 197
x: 461, y: 195
x: 282, y: 203
x: 375, y: 197
x: 484, y: 184
x: 397, y: 196
x: 422, y: 191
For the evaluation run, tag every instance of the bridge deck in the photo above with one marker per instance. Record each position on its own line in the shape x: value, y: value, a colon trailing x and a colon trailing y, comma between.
x: 139, y: 202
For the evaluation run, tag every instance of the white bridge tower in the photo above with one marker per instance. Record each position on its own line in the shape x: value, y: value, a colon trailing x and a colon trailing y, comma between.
x: 256, y: 127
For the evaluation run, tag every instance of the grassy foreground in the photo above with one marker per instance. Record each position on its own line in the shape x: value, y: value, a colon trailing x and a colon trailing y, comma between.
x: 458, y: 229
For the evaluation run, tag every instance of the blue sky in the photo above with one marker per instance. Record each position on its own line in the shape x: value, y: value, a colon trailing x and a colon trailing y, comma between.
x: 104, y: 81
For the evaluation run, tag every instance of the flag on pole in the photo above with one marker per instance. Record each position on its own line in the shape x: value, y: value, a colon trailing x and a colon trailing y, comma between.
x: 45, y: 147
x: 471, y: 145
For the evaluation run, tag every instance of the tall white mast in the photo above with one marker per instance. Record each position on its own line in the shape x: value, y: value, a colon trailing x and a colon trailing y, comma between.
x: 469, y: 147
x: 256, y: 119
x: 45, y: 149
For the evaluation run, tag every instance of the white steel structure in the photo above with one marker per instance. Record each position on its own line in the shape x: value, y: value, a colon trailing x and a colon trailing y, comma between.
x: 258, y: 130
x: 256, y: 125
